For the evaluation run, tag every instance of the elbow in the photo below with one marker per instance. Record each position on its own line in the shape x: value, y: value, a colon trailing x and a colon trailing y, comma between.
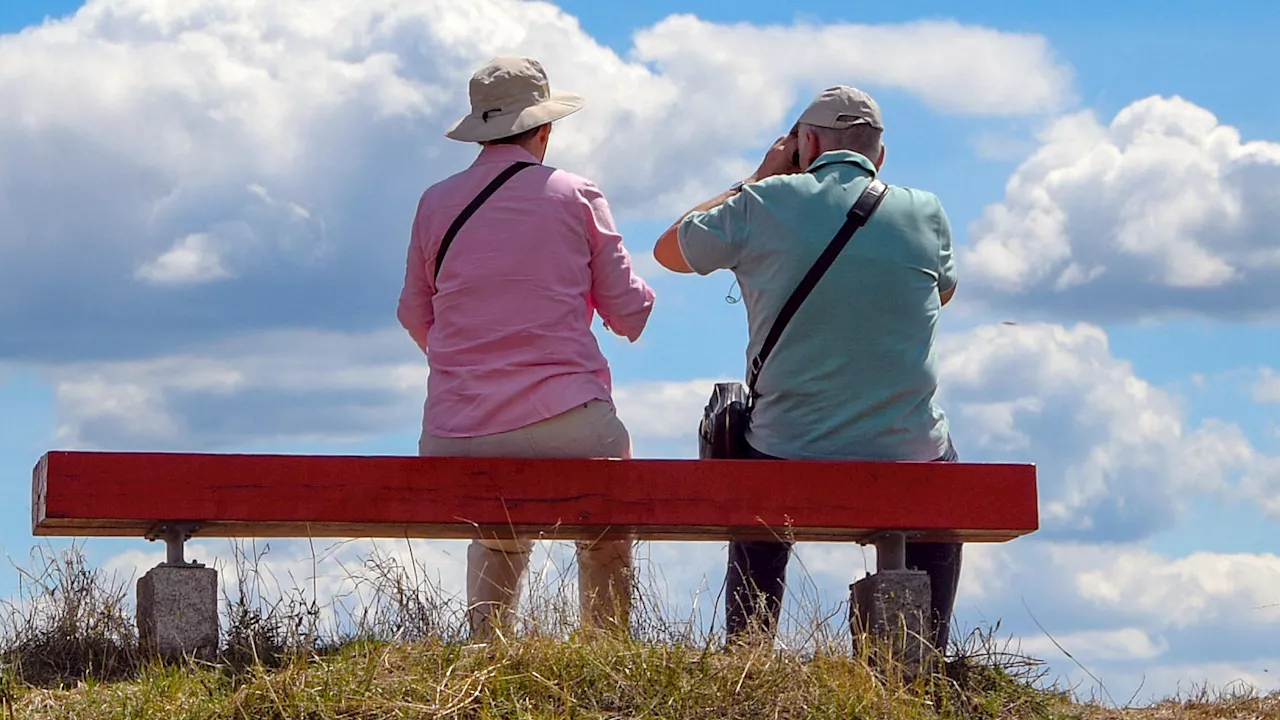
x: 667, y: 252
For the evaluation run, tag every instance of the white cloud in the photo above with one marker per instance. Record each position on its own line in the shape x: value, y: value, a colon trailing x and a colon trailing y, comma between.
x: 1196, y: 590
x: 260, y: 388
x: 1163, y: 210
x: 935, y: 60
x: 1267, y: 387
x: 1121, y: 644
x: 279, y: 148
x: 663, y: 410
x: 1142, y: 621
x: 191, y: 260
x: 1116, y: 456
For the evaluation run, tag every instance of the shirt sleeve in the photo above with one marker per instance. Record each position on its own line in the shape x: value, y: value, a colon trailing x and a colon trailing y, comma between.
x: 622, y: 298
x: 946, y: 257
x: 415, y: 312
x: 713, y: 239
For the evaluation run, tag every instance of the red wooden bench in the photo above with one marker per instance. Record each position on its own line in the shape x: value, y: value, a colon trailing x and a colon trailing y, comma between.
x: 174, y: 496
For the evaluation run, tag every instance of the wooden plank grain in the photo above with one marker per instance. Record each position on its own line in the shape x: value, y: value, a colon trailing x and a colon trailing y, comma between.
x: 123, y: 494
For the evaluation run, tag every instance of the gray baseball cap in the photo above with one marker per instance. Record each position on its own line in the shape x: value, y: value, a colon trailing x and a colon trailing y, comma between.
x: 841, y: 107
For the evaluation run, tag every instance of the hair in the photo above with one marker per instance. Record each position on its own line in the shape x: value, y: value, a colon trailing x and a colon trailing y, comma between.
x: 862, y: 139
x: 516, y: 139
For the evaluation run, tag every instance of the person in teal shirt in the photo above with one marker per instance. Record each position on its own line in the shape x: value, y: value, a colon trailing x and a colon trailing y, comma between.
x: 854, y: 375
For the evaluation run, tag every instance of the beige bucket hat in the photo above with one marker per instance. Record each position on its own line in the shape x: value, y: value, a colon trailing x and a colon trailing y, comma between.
x: 841, y: 107
x: 508, y: 96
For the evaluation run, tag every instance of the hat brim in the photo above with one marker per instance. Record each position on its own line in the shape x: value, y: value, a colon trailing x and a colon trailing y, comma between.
x: 474, y: 129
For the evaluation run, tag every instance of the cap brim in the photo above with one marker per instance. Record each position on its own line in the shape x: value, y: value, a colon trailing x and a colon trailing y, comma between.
x: 474, y: 129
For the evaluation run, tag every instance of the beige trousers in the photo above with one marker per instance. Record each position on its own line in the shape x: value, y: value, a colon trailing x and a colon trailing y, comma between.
x: 496, y: 567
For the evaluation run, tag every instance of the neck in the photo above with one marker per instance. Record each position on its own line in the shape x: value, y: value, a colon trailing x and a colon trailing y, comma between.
x: 534, y: 148
x: 538, y: 152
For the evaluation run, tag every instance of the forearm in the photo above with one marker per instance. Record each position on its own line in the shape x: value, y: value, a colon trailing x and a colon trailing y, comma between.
x: 667, y: 250
x: 622, y: 298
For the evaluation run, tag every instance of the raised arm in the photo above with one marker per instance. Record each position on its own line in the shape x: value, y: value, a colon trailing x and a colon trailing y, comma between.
x: 708, y: 227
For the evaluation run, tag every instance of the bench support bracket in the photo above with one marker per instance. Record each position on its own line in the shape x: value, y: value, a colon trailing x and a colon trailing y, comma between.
x: 177, y: 601
x: 175, y: 536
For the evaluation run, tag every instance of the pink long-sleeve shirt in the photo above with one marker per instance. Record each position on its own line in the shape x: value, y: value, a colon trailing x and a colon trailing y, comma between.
x: 506, y: 327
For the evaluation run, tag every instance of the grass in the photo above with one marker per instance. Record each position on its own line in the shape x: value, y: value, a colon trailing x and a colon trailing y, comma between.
x: 68, y: 650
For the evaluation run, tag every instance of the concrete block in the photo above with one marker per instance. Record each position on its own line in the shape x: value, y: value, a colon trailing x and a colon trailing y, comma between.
x: 892, y: 608
x: 178, y: 612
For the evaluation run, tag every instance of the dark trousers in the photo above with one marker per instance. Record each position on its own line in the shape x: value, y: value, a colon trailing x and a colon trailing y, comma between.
x: 757, y: 573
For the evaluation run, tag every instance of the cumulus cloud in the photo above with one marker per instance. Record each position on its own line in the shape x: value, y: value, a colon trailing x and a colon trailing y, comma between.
x: 254, y: 389
x: 1117, y: 457
x: 1119, y: 644
x: 1165, y: 210
x: 1140, y: 620
x: 1196, y: 590
x: 181, y: 172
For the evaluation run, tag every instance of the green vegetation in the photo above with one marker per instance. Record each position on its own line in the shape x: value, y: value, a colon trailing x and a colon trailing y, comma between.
x: 68, y: 650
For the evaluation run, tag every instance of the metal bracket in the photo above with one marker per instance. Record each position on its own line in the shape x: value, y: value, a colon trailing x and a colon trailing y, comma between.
x: 891, y: 549
x: 175, y: 535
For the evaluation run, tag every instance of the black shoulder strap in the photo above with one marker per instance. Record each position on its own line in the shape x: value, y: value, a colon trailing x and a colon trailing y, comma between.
x: 475, y: 204
x: 857, y: 216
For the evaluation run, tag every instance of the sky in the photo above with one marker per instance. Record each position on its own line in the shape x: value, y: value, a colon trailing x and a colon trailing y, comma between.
x: 204, y: 208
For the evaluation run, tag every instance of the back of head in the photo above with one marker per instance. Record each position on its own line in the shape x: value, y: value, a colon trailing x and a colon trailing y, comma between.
x: 845, y: 118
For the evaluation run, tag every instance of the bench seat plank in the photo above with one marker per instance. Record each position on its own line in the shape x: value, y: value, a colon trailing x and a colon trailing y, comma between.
x: 235, y: 495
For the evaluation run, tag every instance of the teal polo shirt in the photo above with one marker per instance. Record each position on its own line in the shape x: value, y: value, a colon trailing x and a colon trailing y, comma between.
x: 855, y: 373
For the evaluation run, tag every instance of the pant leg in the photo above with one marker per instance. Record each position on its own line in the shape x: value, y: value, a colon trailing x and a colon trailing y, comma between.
x: 495, y: 568
x: 755, y: 580
x: 605, y: 571
x: 942, y: 562
x: 755, y: 585
x: 494, y: 571
x: 605, y: 584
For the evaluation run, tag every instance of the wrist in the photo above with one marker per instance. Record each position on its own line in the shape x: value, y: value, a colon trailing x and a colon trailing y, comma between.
x: 737, y: 187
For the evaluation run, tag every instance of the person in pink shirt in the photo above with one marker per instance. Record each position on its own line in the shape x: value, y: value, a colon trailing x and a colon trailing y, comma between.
x: 509, y: 262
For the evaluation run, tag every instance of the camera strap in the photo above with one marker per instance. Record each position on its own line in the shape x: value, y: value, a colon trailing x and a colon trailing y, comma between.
x: 857, y: 216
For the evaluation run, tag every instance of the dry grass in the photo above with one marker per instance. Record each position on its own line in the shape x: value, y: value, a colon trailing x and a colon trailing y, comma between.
x: 68, y: 650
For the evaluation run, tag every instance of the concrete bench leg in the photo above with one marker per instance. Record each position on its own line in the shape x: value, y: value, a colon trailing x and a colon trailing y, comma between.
x: 893, y: 608
x: 177, y: 604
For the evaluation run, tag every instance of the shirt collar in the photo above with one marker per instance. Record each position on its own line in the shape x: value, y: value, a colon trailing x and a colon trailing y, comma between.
x: 504, y: 154
x: 843, y: 156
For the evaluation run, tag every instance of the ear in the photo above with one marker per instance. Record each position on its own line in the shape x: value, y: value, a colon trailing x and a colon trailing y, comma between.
x: 880, y: 160
x: 810, y: 147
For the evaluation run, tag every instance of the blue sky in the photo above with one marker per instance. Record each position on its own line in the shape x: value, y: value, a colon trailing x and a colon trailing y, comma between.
x: 1051, y: 132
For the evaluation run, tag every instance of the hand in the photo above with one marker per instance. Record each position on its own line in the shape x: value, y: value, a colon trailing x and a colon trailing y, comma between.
x: 780, y: 160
